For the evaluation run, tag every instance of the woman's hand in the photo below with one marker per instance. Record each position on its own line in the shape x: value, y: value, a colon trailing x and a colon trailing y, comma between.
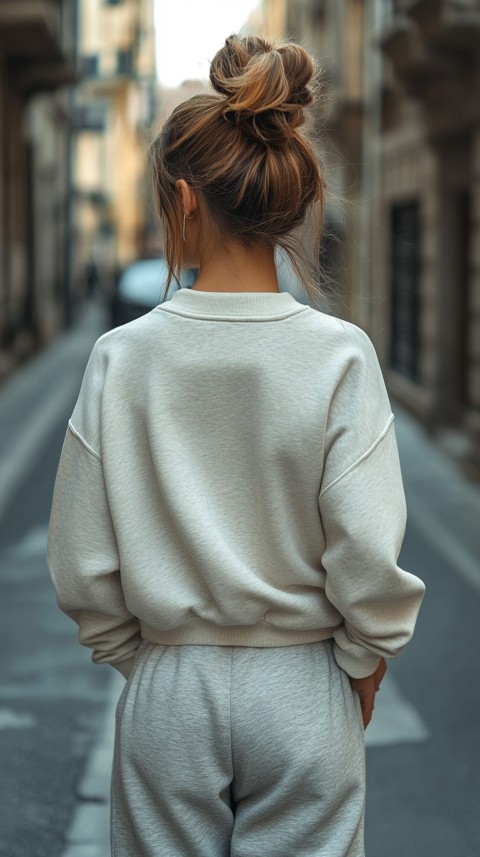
x: 367, y: 688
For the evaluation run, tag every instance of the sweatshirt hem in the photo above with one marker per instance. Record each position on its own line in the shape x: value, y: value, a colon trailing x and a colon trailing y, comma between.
x: 200, y: 633
x: 356, y: 667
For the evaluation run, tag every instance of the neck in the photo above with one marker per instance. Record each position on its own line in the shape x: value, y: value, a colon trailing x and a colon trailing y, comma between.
x: 238, y: 269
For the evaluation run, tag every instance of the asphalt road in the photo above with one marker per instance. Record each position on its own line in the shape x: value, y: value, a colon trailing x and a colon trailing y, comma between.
x: 424, y: 795
x: 423, y: 758
x: 51, y: 697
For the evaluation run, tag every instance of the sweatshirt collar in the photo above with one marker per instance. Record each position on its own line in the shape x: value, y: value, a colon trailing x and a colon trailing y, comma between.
x: 232, y: 305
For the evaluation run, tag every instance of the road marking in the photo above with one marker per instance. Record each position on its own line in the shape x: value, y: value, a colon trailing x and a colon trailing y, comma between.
x: 395, y: 720
x: 57, y: 371
x: 31, y: 546
x: 10, y: 719
x: 446, y: 542
x: 19, y: 460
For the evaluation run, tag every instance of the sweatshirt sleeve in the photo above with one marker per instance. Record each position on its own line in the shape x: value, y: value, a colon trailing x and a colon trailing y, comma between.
x: 82, y: 553
x: 363, y: 514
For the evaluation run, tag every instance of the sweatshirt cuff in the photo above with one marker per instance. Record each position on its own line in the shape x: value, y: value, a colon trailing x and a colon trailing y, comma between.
x: 124, y: 667
x: 356, y: 667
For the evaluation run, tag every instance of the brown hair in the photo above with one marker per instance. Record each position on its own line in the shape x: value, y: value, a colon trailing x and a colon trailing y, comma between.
x: 243, y: 149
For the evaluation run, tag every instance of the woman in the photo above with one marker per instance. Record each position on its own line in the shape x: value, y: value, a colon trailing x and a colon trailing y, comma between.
x: 229, y: 509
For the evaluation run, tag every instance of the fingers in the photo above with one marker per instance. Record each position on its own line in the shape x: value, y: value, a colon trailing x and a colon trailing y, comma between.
x: 379, y: 673
x: 367, y: 688
x: 367, y: 702
x: 367, y: 711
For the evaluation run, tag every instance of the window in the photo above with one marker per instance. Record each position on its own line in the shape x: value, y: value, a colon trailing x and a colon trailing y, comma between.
x: 89, y: 65
x: 405, y: 289
x: 125, y: 61
x: 90, y: 117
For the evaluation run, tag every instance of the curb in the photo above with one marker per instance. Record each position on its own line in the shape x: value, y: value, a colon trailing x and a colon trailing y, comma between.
x: 88, y: 834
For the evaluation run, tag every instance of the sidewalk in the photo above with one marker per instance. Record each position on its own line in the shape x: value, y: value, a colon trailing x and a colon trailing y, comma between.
x: 89, y: 832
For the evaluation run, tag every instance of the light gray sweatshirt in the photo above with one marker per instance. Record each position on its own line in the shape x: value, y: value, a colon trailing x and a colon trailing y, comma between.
x: 230, y: 476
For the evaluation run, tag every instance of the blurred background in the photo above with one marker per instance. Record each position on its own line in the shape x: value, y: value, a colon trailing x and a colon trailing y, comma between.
x: 83, y: 85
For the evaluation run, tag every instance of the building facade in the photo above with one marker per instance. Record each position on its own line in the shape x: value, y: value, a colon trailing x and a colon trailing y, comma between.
x: 402, y: 140
x: 305, y: 21
x: 114, y: 107
x: 77, y: 95
x: 428, y: 255
x: 37, y: 52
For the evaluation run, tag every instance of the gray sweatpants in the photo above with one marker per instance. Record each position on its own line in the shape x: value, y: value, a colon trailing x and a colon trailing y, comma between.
x: 238, y: 752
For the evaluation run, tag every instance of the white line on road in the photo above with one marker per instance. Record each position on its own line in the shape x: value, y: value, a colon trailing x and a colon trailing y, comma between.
x: 32, y: 546
x: 395, y: 720
x: 19, y: 461
x: 9, y: 719
x: 56, y: 371
x: 446, y: 542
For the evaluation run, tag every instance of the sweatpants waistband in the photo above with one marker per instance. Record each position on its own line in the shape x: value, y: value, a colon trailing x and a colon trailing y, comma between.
x: 197, y: 632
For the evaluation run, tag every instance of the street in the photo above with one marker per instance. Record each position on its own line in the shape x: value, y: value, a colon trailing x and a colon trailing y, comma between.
x: 51, y: 698
x: 56, y: 708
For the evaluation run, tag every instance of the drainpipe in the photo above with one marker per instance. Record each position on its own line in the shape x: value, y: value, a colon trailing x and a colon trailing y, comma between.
x: 372, y: 127
x: 68, y: 257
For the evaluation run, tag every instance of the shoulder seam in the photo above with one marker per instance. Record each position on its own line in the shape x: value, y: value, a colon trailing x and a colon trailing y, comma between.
x: 362, y: 457
x: 83, y: 441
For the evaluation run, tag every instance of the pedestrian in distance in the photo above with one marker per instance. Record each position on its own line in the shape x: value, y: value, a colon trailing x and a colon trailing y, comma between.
x: 229, y: 510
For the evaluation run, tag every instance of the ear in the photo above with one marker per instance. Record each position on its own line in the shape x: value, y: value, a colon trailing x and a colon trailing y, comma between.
x: 189, y: 199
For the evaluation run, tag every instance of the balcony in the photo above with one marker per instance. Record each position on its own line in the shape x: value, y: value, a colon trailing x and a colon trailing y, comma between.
x: 448, y: 25
x: 31, y: 44
x: 414, y: 62
x: 434, y: 50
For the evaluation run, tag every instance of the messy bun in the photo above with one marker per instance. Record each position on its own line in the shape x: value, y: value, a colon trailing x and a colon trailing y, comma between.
x: 243, y: 149
x: 265, y: 89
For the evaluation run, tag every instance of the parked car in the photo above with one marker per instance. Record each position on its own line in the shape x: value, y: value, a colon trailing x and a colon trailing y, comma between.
x: 141, y: 286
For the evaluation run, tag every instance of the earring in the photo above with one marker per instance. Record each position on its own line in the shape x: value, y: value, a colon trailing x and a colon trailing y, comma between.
x: 185, y: 217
